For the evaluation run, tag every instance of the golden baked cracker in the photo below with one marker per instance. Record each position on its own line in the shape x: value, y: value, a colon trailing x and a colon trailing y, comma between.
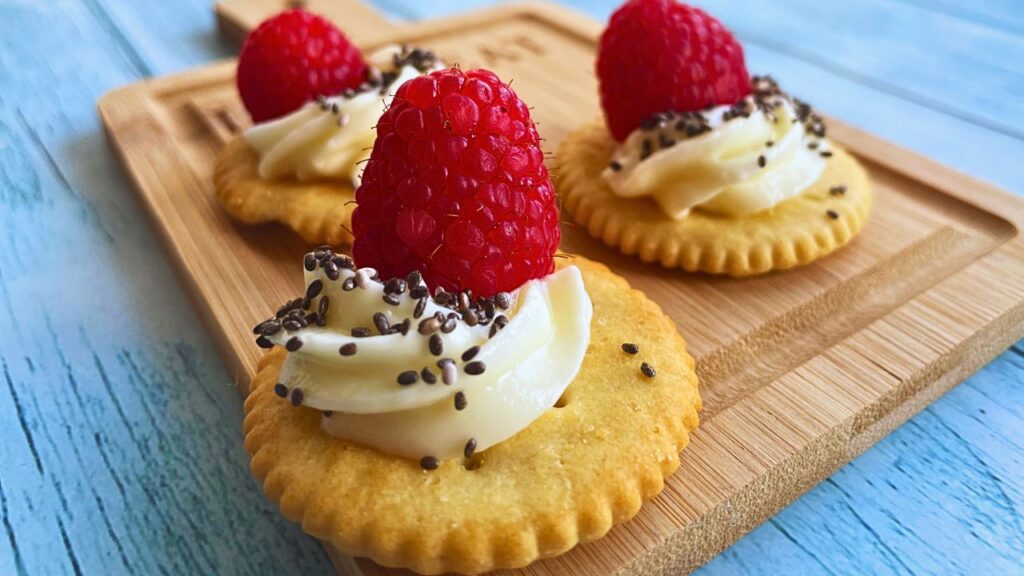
x: 797, y: 231
x: 320, y: 212
x: 565, y: 479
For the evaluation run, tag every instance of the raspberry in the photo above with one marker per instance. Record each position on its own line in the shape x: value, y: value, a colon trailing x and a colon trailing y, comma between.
x: 456, y: 187
x: 291, y: 59
x: 662, y: 56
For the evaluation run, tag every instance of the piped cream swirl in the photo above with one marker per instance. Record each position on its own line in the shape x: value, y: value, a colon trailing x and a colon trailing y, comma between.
x: 729, y: 160
x: 506, y: 377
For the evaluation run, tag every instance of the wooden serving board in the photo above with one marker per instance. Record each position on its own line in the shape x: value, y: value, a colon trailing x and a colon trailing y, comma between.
x: 800, y: 371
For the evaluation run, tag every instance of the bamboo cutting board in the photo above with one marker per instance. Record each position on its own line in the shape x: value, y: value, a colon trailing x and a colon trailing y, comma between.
x: 800, y: 371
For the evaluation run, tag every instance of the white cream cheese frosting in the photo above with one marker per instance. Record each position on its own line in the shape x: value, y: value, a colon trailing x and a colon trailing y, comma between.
x: 328, y: 139
x: 410, y: 375
x: 728, y: 160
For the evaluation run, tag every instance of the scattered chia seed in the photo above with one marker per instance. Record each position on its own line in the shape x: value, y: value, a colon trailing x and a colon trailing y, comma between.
x: 428, y: 376
x: 394, y: 286
x: 449, y: 373
x: 314, y: 288
x: 436, y: 344
x: 499, y: 323
x: 647, y: 370
x: 402, y: 327
x: 414, y: 279
x: 321, y: 314
x: 332, y: 272
x: 380, y: 320
x: 429, y: 325
x: 270, y: 328
x: 503, y: 300
x: 343, y: 261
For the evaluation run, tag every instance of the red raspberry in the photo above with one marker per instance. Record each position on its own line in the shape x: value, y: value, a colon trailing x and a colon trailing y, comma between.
x: 456, y: 187
x: 291, y: 59
x: 662, y: 56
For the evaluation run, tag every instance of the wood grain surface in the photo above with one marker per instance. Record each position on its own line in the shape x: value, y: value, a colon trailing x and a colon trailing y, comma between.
x: 361, y: 22
x: 807, y: 369
x: 121, y: 449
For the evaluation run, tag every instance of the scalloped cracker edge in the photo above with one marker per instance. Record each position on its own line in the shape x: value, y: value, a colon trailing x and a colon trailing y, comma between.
x: 796, y: 232
x: 319, y: 212
x: 568, y: 478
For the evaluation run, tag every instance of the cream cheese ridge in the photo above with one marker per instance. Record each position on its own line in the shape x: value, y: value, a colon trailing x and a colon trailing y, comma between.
x: 728, y: 160
x: 423, y: 377
x: 327, y: 139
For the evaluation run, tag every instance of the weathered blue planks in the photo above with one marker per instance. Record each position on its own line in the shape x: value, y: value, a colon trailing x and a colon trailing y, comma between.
x: 932, y: 59
x: 122, y: 445
x: 999, y: 14
x: 121, y: 448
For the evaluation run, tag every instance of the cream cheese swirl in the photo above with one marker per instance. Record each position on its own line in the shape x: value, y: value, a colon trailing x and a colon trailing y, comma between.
x: 729, y: 160
x: 327, y: 139
x: 410, y: 375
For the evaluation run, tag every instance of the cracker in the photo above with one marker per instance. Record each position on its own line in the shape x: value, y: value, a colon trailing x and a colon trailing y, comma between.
x: 320, y: 212
x: 795, y: 232
x: 567, y: 478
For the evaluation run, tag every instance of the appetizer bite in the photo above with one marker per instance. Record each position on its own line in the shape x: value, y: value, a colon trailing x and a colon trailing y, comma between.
x: 696, y: 164
x: 315, y: 101
x: 457, y: 398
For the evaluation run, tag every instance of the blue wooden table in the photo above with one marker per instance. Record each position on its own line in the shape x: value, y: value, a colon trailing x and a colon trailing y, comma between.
x: 120, y: 432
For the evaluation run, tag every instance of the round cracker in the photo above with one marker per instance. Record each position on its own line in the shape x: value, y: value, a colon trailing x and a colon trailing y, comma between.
x: 795, y: 232
x: 580, y: 468
x: 320, y: 212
